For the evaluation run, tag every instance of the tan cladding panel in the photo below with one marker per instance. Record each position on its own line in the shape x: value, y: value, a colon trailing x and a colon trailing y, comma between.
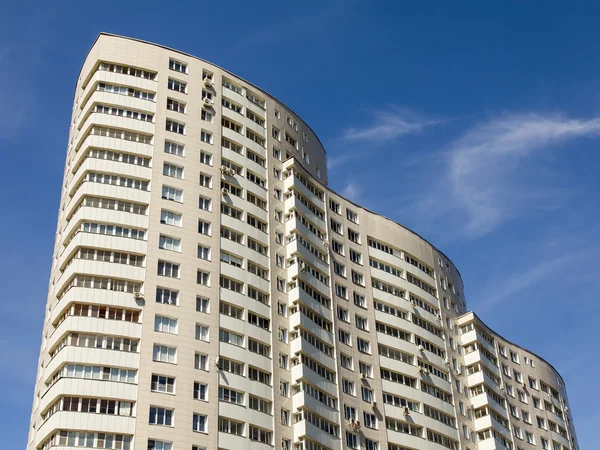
x: 152, y: 57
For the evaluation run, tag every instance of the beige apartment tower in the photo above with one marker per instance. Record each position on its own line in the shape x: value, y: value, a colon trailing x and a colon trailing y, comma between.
x: 209, y: 291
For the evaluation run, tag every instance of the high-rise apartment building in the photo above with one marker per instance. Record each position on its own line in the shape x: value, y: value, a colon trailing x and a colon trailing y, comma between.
x: 209, y: 291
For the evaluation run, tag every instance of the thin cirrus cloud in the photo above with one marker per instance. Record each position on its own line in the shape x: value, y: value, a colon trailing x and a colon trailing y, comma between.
x: 386, y: 125
x: 389, y: 124
x: 493, y: 171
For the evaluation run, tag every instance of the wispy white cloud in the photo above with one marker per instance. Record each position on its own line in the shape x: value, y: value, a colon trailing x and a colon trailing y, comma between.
x: 389, y: 124
x: 494, y: 171
x: 335, y: 161
x: 351, y: 191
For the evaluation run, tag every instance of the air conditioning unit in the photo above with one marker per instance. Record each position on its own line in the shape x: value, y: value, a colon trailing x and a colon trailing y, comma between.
x: 295, y: 361
x: 225, y: 191
x: 423, y: 370
x: 326, y: 244
x: 217, y: 361
x: 230, y: 171
x: 413, y: 303
x: 351, y: 423
x: 438, y: 316
x: 421, y: 348
x: 457, y: 372
x: 302, y: 266
x: 502, y: 388
x: 138, y: 295
x: 207, y: 82
x: 447, y: 362
x: 566, y: 408
x: 405, y: 411
x: 224, y: 169
x: 374, y: 405
x: 363, y: 376
x: 207, y: 103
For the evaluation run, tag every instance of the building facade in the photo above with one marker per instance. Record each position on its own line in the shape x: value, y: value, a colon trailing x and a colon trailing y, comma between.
x: 209, y: 291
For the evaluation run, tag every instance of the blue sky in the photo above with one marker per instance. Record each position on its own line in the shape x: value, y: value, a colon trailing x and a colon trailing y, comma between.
x: 476, y: 125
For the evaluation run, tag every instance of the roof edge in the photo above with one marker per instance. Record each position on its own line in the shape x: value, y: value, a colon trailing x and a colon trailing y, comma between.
x: 104, y: 33
x: 516, y: 345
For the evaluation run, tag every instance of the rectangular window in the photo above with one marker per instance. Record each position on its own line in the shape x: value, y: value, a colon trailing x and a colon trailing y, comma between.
x: 256, y: 223
x: 162, y: 353
x: 204, y: 252
x: 355, y: 257
x: 176, y: 85
x: 259, y: 348
x: 203, y: 278
x: 226, y: 143
x: 175, y: 127
x: 175, y: 105
x: 348, y: 387
x: 206, y: 116
x: 202, y: 304
x: 351, y: 216
x: 205, y: 180
x: 167, y: 296
x: 231, y: 235
x: 161, y: 416
x: 169, y: 193
x: 204, y: 227
x: 363, y: 345
x: 343, y: 314
x: 231, y: 396
x: 370, y: 420
x: 200, y: 391
x: 208, y: 95
x: 358, y: 278
x: 162, y: 383
x: 339, y: 269
x: 168, y: 269
x: 169, y: 243
x: 344, y: 337
x: 204, y: 203
x: 232, y: 285
x: 336, y: 227
x: 231, y: 105
x: 260, y: 435
x: 171, y: 170
x: 285, y: 417
x: 229, y: 337
x: 174, y: 148
x: 206, y: 137
x: 337, y: 247
x: 199, y: 423
x: 170, y: 218
x: 230, y: 366
x: 165, y: 325
x: 177, y: 66
x: 341, y: 291
x: 259, y: 375
x: 351, y: 440
x: 231, y: 426
x: 361, y: 323
x: 202, y: 332
x: 152, y: 443
x: 354, y: 236
x: 284, y: 388
x: 206, y: 158
x: 201, y: 361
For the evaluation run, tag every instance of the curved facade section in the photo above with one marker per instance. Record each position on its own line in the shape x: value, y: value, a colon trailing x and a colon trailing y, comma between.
x: 209, y: 291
